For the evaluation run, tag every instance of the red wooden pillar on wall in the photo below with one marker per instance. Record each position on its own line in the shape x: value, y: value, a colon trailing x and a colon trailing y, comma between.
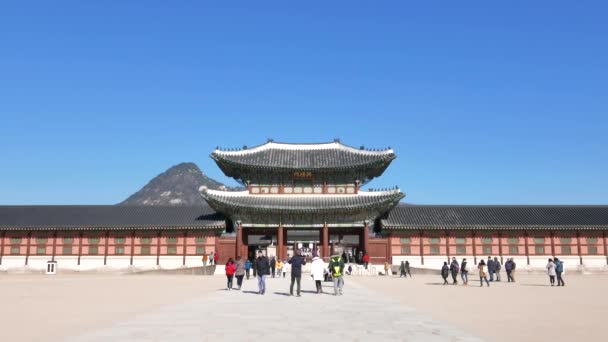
x: 325, y: 242
x: 105, y: 250
x: 578, y: 247
x: 80, y: 246
x: 4, y: 236
x: 526, y: 247
x: 474, y: 247
x: 500, y: 246
x: 184, y: 247
x: 54, y: 251
x: 603, y: 235
x: 552, y: 237
x: 421, y: 236
x: 27, y: 252
x: 280, y: 241
x: 239, y: 238
x: 132, y: 247
x: 447, y: 244
x: 366, y: 238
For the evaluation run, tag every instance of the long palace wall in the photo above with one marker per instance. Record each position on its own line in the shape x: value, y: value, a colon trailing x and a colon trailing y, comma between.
x: 529, y: 248
x: 104, y: 249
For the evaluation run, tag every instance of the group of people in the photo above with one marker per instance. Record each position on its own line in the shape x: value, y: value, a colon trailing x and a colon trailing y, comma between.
x: 264, y: 267
x: 211, y: 258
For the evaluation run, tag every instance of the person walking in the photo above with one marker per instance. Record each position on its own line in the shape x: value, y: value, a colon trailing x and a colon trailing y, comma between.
x: 247, y: 268
x: 559, y: 269
x: 216, y: 258
x: 211, y: 258
x: 483, y: 274
x: 513, y: 270
x: 387, y: 269
x: 296, y: 262
x: 263, y: 270
x: 279, y: 267
x: 230, y: 270
x: 402, y: 270
x: 490, y: 266
x: 454, y: 269
x: 239, y: 272
x: 464, y: 272
x: 445, y: 272
x: 407, y: 268
x: 286, y: 268
x: 336, y: 268
x: 551, y: 271
x: 497, y: 267
x: 365, y: 260
x: 316, y: 270
x: 254, y: 266
x: 273, y: 265
x: 509, y: 270
x: 205, y: 259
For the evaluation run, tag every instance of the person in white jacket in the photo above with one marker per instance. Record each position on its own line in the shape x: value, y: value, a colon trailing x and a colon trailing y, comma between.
x: 551, y: 271
x: 286, y: 268
x: 317, y: 268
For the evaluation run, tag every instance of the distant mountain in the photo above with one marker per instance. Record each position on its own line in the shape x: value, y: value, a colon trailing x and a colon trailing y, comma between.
x: 178, y: 186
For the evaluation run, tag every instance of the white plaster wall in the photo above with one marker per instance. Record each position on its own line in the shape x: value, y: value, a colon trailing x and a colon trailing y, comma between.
x: 171, y: 262
x: 118, y: 262
x: 594, y: 262
x: 37, y: 263
x: 144, y: 262
x: 90, y: 262
x: 67, y: 263
x: 10, y: 262
x: 194, y: 261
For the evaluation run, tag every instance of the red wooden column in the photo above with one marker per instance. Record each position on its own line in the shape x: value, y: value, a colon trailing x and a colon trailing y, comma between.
x: 421, y: 236
x: 54, y: 245
x: 158, y: 236
x: 500, y: 246
x: 366, y: 238
x: 578, y: 247
x: 132, y: 247
x: 80, y: 247
x: 184, y: 247
x: 603, y: 235
x: 105, y: 250
x: 552, y: 237
x: 474, y: 247
x: 239, y: 238
x: 280, y: 241
x: 526, y: 246
x: 447, y: 245
x: 325, y: 242
x: 4, y: 236
x: 27, y: 252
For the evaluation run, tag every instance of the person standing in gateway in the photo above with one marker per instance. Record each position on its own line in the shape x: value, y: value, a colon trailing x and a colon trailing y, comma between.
x: 296, y: 263
x: 262, y: 269
x: 336, y: 268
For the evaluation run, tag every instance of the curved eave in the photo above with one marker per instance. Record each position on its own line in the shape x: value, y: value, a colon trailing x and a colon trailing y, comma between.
x: 237, y: 203
x: 489, y: 227
x: 211, y: 226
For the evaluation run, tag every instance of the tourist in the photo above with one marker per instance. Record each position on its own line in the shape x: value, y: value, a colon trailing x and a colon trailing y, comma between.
x: 497, y: 267
x: 365, y: 260
x: 279, y: 267
x: 263, y: 270
x: 491, y: 268
x: 454, y: 269
x: 513, y: 270
x: 509, y: 269
x: 316, y: 272
x: 402, y: 270
x: 407, y: 268
x: 559, y: 269
x: 296, y: 262
x: 273, y: 265
x: 240, y: 271
x: 286, y: 268
x: 211, y: 258
x: 464, y: 272
x: 551, y: 271
x: 445, y: 272
x: 336, y: 268
x: 205, y: 259
x: 247, y: 268
x: 483, y: 275
x: 255, y: 267
x: 387, y: 269
x: 230, y: 270
x: 216, y: 258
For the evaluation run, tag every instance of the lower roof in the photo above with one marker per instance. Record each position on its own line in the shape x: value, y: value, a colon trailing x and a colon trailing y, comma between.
x: 108, y: 217
x: 497, y: 216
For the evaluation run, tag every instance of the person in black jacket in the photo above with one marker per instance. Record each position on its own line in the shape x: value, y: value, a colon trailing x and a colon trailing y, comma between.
x: 263, y: 269
x: 445, y: 272
x: 296, y: 263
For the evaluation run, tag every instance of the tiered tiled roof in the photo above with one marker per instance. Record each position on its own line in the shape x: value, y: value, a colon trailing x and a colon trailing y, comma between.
x: 323, y: 157
x: 108, y: 217
x: 497, y: 216
x: 243, y: 200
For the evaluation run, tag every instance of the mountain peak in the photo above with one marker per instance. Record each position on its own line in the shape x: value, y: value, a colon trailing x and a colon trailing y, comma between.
x: 177, y: 186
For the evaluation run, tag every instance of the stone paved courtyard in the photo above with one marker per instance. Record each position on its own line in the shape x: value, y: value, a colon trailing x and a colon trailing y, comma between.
x: 358, y: 315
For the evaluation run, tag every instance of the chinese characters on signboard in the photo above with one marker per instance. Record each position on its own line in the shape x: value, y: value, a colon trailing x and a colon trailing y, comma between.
x: 302, y: 175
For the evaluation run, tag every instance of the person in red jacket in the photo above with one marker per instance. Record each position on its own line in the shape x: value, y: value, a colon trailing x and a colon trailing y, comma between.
x: 366, y: 260
x: 216, y: 257
x: 230, y: 270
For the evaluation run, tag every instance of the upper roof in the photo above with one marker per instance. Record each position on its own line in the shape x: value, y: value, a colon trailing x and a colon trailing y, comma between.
x: 221, y: 200
x: 108, y: 216
x: 332, y: 156
x: 497, y: 216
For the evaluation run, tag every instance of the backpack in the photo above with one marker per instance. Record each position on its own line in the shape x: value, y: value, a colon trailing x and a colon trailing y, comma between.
x: 337, y: 272
x: 456, y: 267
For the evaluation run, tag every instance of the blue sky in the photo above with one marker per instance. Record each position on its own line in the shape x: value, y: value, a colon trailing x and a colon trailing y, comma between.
x: 483, y: 102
